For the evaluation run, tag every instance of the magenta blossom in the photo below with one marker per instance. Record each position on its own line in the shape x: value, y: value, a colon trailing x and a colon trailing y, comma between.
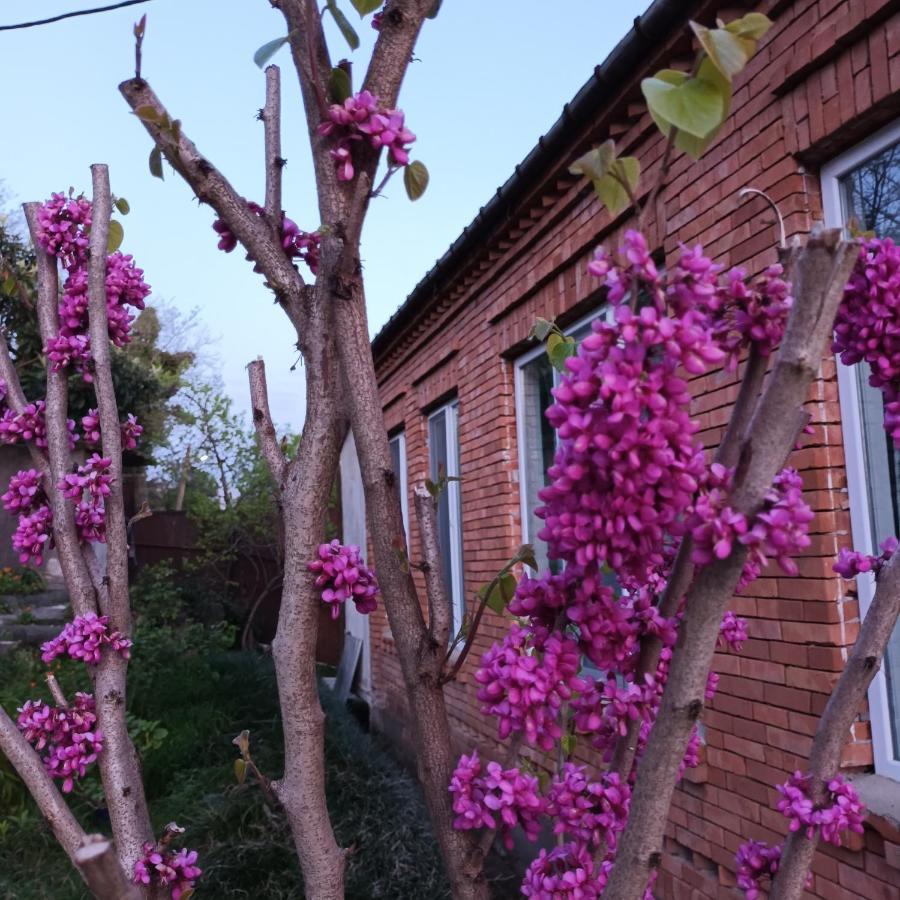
x: 342, y: 576
x: 83, y: 638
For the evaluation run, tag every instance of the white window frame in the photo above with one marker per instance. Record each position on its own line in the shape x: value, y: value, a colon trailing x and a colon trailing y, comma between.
x: 402, y: 480
x: 454, y: 500
x: 605, y: 312
x: 854, y: 448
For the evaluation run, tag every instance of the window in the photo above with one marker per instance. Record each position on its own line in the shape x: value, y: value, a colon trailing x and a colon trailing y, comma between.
x: 864, y: 183
x: 443, y: 455
x: 397, y: 445
x: 535, y: 377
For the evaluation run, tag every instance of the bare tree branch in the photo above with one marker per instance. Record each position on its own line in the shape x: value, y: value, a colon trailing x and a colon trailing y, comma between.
x: 96, y: 858
x: 834, y: 726
x: 119, y: 766
x: 211, y: 187
x: 821, y: 272
x: 271, y: 116
x: 262, y: 422
x: 439, y: 612
x: 65, y: 533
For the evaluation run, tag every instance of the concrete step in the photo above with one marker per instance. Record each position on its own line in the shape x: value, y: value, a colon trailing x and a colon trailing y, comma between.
x: 7, y: 647
x: 47, y: 615
x: 31, y: 634
x: 52, y: 597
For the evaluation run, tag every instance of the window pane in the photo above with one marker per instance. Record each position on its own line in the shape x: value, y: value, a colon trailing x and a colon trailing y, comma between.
x: 439, y: 458
x: 871, y: 194
x: 539, y: 444
x: 395, y: 456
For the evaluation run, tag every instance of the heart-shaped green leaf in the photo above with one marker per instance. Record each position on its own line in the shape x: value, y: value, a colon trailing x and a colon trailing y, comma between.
x: 541, y: 329
x: 268, y: 50
x: 559, y: 348
x: 595, y: 163
x: 728, y: 52
x: 415, y: 179
x: 148, y: 114
x: 690, y: 104
x: 616, y: 188
x: 753, y: 25
x: 123, y: 206
x: 498, y: 593
x: 364, y: 7
x: 116, y: 236
x: 695, y: 147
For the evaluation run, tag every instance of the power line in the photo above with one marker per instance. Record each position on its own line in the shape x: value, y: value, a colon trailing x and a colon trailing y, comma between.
x: 71, y: 15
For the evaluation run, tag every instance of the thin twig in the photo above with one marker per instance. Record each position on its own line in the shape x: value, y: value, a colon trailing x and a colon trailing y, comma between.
x: 272, y: 135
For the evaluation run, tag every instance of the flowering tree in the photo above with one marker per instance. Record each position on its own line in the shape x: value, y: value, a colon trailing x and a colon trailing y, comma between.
x: 632, y: 491
x: 76, y: 506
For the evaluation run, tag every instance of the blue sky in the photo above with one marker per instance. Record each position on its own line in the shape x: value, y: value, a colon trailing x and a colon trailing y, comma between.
x: 490, y: 77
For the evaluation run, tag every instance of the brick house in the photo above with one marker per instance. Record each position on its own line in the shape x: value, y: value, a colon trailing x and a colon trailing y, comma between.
x: 816, y: 124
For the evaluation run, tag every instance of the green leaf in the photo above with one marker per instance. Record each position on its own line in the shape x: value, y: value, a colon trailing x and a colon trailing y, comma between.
x: 753, y: 25
x: 568, y: 742
x: 123, y: 206
x: 541, y: 329
x: 156, y: 168
x: 728, y: 52
x: 148, y: 114
x: 346, y: 29
x: 240, y: 770
x: 268, y: 50
x: 611, y: 190
x: 116, y: 235
x: 9, y: 285
x: 339, y: 86
x: 695, y: 147
x: 595, y: 163
x: 499, y: 592
x: 364, y: 7
x: 692, y: 105
x: 432, y: 488
x: 415, y: 179
x: 559, y: 349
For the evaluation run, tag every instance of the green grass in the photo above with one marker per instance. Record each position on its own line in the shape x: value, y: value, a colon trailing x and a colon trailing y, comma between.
x: 203, y: 701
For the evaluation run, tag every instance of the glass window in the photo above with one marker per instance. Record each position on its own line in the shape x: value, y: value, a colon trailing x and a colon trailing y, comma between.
x: 864, y: 185
x: 397, y: 445
x: 443, y: 455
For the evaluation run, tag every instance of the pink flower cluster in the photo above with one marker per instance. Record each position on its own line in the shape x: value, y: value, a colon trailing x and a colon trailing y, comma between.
x: 342, y: 576
x: 565, y: 873
x: 161, y: 866
x: 851, y: 563
x: 732, y: 631
x: 68, y: 736
x: 361, y: 118
x: 496, y: 798
x: 295, y: 242
x: 29, y: 425
x: 84, y: 638
x: 63, y: 227
x: 867, y: 327
x: 779, y: 531
x: 629, y: 462
x: 63, y: 231
x: 25, y: 493
x: 756, y: 861
x: 525, y: 680
x: 89, y: 486
x: 33, y: 535
x: 842, y: 809
x: 592, y: 813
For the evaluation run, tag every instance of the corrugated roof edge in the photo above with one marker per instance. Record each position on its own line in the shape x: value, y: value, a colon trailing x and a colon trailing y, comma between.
x: 655, y: 24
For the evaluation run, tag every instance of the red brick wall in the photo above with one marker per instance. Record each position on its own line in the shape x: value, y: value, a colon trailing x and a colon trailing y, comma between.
x: 827, y: 75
